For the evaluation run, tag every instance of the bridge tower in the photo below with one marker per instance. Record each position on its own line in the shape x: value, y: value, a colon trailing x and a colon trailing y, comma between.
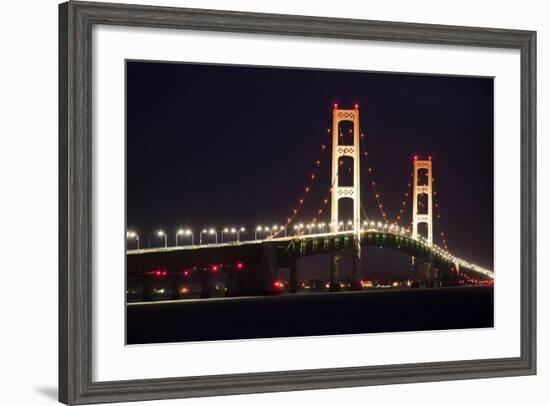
x: 338, y: 151
x: 339, y: 192
x: 422, y: 216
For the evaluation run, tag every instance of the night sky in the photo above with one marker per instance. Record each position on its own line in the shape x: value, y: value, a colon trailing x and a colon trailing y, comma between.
x: 222, y: 146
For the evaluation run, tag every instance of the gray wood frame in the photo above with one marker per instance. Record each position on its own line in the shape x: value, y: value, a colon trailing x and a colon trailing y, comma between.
x: 75, y: 171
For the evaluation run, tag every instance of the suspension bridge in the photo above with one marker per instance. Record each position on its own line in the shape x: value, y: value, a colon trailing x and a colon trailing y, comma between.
x: 251, y: 266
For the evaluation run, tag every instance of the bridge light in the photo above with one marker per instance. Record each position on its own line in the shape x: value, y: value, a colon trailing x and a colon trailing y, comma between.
x: 335, y: 106
x: 239, y: 265
x: 225, y: 230
x: 214, y: 268
x: 185, y: 273
x: 160, y: 233
x: 204, y: 230
x: 242, y: 229
x: 416, y: 157
x: 356, y: 106
x: 259, y: 228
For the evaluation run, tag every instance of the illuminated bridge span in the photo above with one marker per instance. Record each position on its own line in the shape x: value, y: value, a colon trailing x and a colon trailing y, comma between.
x: 251, y: 267
x: 292, y: 247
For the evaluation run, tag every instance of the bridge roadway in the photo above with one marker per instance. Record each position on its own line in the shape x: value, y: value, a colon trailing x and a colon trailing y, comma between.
x: 283, y: 252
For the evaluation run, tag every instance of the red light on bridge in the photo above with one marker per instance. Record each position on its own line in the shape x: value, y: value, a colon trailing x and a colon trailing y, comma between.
x: 159, y: 273
x: 239, y: 266
x: 416, y: 157
x: 278, y: 284
x: 215, y: 268
x: 356, y: 106
x: 430, y: 158
x: 185, y: 273
x: 335, y: 106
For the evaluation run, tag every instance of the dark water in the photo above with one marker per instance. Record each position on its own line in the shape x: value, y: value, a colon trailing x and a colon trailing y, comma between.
x: 372, y: 311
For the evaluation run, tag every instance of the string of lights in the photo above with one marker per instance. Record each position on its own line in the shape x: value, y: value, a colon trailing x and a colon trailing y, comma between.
x: 307, y: 189
x: 372, y: 181
x: 405, y: 201
x: 438, y: 216
x: 325, y: 200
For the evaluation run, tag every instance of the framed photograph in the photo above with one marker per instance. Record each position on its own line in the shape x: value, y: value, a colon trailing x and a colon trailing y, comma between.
x: 257, y: 202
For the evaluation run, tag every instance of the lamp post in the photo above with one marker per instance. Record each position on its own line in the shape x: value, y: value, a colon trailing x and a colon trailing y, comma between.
x: 256, y: 231
x: 298, y: 228
x: 161, y: 233
x: 133, y: 234
x: 239, y: 231
x: 178, y: 233
x: 350, y: 225
x: 200, y: 235
x: 213, y: 232
x: 225, y: 230
x: 321, y: 226
x: 276, y: 229
x: 189, y: 233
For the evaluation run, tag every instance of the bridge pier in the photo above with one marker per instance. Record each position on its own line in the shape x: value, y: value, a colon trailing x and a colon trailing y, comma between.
x: 335, y: 258
x: 147, y: 288
x: 423, y: 274
x: 293, y: 275
x: 231, y: 282
x: 174, y: 285
x: 205, y: 283
x: 270, y: 261
x: 355, y: 284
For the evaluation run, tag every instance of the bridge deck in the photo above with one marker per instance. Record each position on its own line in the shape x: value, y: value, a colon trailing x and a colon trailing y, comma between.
x: 395, y: 240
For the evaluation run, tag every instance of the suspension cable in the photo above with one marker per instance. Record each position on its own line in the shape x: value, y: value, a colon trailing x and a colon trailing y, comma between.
x: 438, y: 217
x: 307, y: 189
